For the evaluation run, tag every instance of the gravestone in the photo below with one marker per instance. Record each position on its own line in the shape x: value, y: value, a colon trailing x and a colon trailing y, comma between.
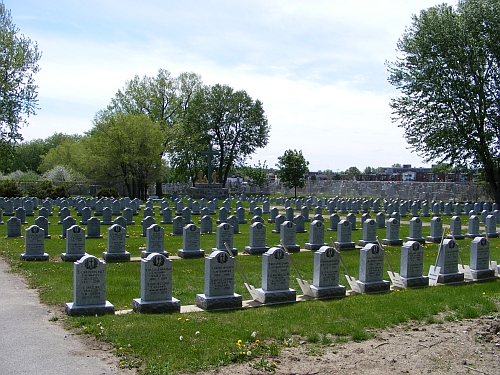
x: 266, y: 207
x: 392, y: 233
x: 491, y: 226
x: 99, y: 206
x: 8, y: 208
x: 299, y: 222
x: 28, y: 207
x: 75, y: 244
x: 67, y: 223
x: 257, y: 211
x: 222, y: 215
x: 436, y: 210
x: 412, y: 263
x: 425, y: 209
x: 149, y: 211
x: 89, y: 289
x: 473, y: 231
x: 34, y: 246
x: 436, y: 230
x: 86, y: 214
x: 191, y: 239
x: 94, y: 228
x: 224, y: 234
x: 116, y: 208
x: 177, y: 226
x: 257, y: 239
x: 240, y: 213
x: 352, y: 218
x: 116, y: 245
x: 448, y: 254
x: 107, y: 217
x: 21, y: 215
x: 195, y: 208
x: 326, y: 274
x: 219, y: 283
x: 414, y: 209
x: 166, y: 216
x: 206, y: 224
x: 289, y: 214
x: 275, y: 278
x: 280, y: 219
x: 316, y: 236
x: 155, y: 241
x: 43, y: 222
x: 415, y: 231
x: 480, y: 259
x: 371, y: 270
x: 146, y: 223
x: 43, y: 212
x: 288, y: 236
x: 304, y: 211
x: 456, y: 228
x: 344, y: 236
x: 186, y: 216
x: 272, y: 216
x: 63, y: 213
x: 257, y: 219
x: 156, y: 286
x: 128, y: 215
x: 233, y: 221
x: 380, y: 220
x: 334, y: 221
x: 369, y: 233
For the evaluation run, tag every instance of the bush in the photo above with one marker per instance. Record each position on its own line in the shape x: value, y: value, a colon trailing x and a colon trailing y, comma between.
x: 9, y: 189
x: 47, y: 189
x: 108, y: 192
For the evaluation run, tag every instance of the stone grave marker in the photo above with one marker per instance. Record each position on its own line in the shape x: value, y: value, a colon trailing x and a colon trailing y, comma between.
x: 195, y: 208
x: 68, y: 222
x: 326, y: 274
x: 28, y: 207
x: 107, y: 217
x: 94, y: 228
x: 116, y: 208
x: 233, y: 221
x: 288, y: 236
x: 89, y: 288
x: 334, y: 221
x: 257, y: 239
x: 191, y: 239
x: 222, y: 215
x: 206, y: 224
x: 257, y: 211
x: 63, y: 213
x: 155, y: 241
x: 146, y: 223
x: 304, y: 211
x: 275, y: 278
x: 392, y: 233
x: 86, y: 213
x: 128, y: 215
x: 448, y: 261
x: 256, y: 219
x: 436, y: 230
x: 43, y: 222
x: 299, y: 222
x: 240, y: 213
x: 289, y: 214
x: 425, y: 209
x: 473, y: 227
x: 491, y: 226
x: 344, y: 236
x: 75, y: 244
x: 412, y: 263
x: 380, y: 220
x: 371, y: 270
x: 177, y: 226
x: 369, y: 233
x: 316, y: 236
x: 149, y: 211
x: 116, y: 245
x: 415, y: 231
x: 219, y: 283
x: 280, y: 219
x: 21, y: 215
x: 273, y: 214
x: 34, y: 246
x: 352, y: 218
x: 224, y: 234
x: 166, y: 216
x: 156, y: 286
x: 456, y: 228
x: 480, y: 259
x: 186, y: 216
x: 8, y: 208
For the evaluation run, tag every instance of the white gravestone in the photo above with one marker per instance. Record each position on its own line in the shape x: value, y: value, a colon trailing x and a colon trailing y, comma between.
x: 448, y: 262
x: 371, y: 270
x: 326, y: 274
x: 156, y: 286
x: 276, y: 278
x: 89, y: 288
x: 316, y: 236
x: 219, y: 283
x: 155, y: 241
x: 34, y: 248
x: 257, y: 239
x: 369, y: 232
x: 436, y: 230
x: 480, y: 259
x: 288, y: 236
x: 392, y: 233
x: 415, y: 231
x: 75, y: 244
x: 344, y: 236
x: 191, y: 243
x: 224, y: 235
x: 116, y: 245
x: 94, y: 228
x: 43, y: 223
x: 412, y: 263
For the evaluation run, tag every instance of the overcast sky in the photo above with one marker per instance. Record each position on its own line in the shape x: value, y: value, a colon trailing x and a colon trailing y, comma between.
x: 317, y: 65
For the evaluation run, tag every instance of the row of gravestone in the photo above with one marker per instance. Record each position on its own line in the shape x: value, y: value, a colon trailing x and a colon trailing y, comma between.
x: 89, y: 287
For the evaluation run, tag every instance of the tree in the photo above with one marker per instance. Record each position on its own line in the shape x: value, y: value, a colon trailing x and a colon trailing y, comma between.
x: 18, y: 92
x: 449, y: 78
x: 258, y: 174
x: 292, y: 169
x: 232, y: 121
x: 353, y: 171
x: 126, y: 148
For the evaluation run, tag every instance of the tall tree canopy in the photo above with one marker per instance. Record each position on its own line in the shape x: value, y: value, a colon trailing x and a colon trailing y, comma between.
x: 293, y: 168
x: 232, y: 121
x: 448, y: 74
x: 18, y: 93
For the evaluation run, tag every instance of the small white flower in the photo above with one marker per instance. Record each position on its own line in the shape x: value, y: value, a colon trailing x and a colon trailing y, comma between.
x: 181, y: 338
x: 254, y: 334
x: 249, y: 353
x: 197, y: 333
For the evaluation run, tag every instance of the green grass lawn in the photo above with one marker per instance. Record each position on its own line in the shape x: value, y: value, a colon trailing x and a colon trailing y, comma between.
x: 165, y: 344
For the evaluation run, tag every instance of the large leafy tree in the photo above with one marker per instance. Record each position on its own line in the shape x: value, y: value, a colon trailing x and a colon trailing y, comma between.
x: 18, y: 93
x: 232, y: 121
x: 293, y: 168
x: 125, y: 148
x: 448, y: 73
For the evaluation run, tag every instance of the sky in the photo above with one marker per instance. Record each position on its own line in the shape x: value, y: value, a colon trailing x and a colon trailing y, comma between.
x: 317, y: 66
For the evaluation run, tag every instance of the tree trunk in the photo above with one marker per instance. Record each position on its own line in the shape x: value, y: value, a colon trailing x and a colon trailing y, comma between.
x: 159, y: 190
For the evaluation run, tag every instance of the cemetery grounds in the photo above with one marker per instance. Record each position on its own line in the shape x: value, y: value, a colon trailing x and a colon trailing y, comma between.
x: 438, y: 330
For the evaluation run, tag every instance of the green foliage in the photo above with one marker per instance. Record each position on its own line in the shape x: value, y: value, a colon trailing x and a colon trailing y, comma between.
x: 108, y: 192
x: 448, y: 74
x: 9, y: 189
x: 47, y: 189
x: 232, y: 121
x: 352, y: 171
x: 258, y: 174
x: 292, y: 169
x: 18, y: 92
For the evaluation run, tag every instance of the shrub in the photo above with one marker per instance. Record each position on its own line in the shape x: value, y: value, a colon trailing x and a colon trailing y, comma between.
x: 108, y: 192
x: 47, y: 189
x: 9, y: 189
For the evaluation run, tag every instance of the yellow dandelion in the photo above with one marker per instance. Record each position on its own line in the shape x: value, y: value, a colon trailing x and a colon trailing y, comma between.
x: 187, y: 319
x: 179, y: 319
x: 120, y: 348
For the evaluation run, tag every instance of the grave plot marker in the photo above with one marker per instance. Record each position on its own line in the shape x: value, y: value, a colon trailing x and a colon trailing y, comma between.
x: 34, y: 249
x: 191, y: 239
x: 75, y: 244
x: 326, y: 274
